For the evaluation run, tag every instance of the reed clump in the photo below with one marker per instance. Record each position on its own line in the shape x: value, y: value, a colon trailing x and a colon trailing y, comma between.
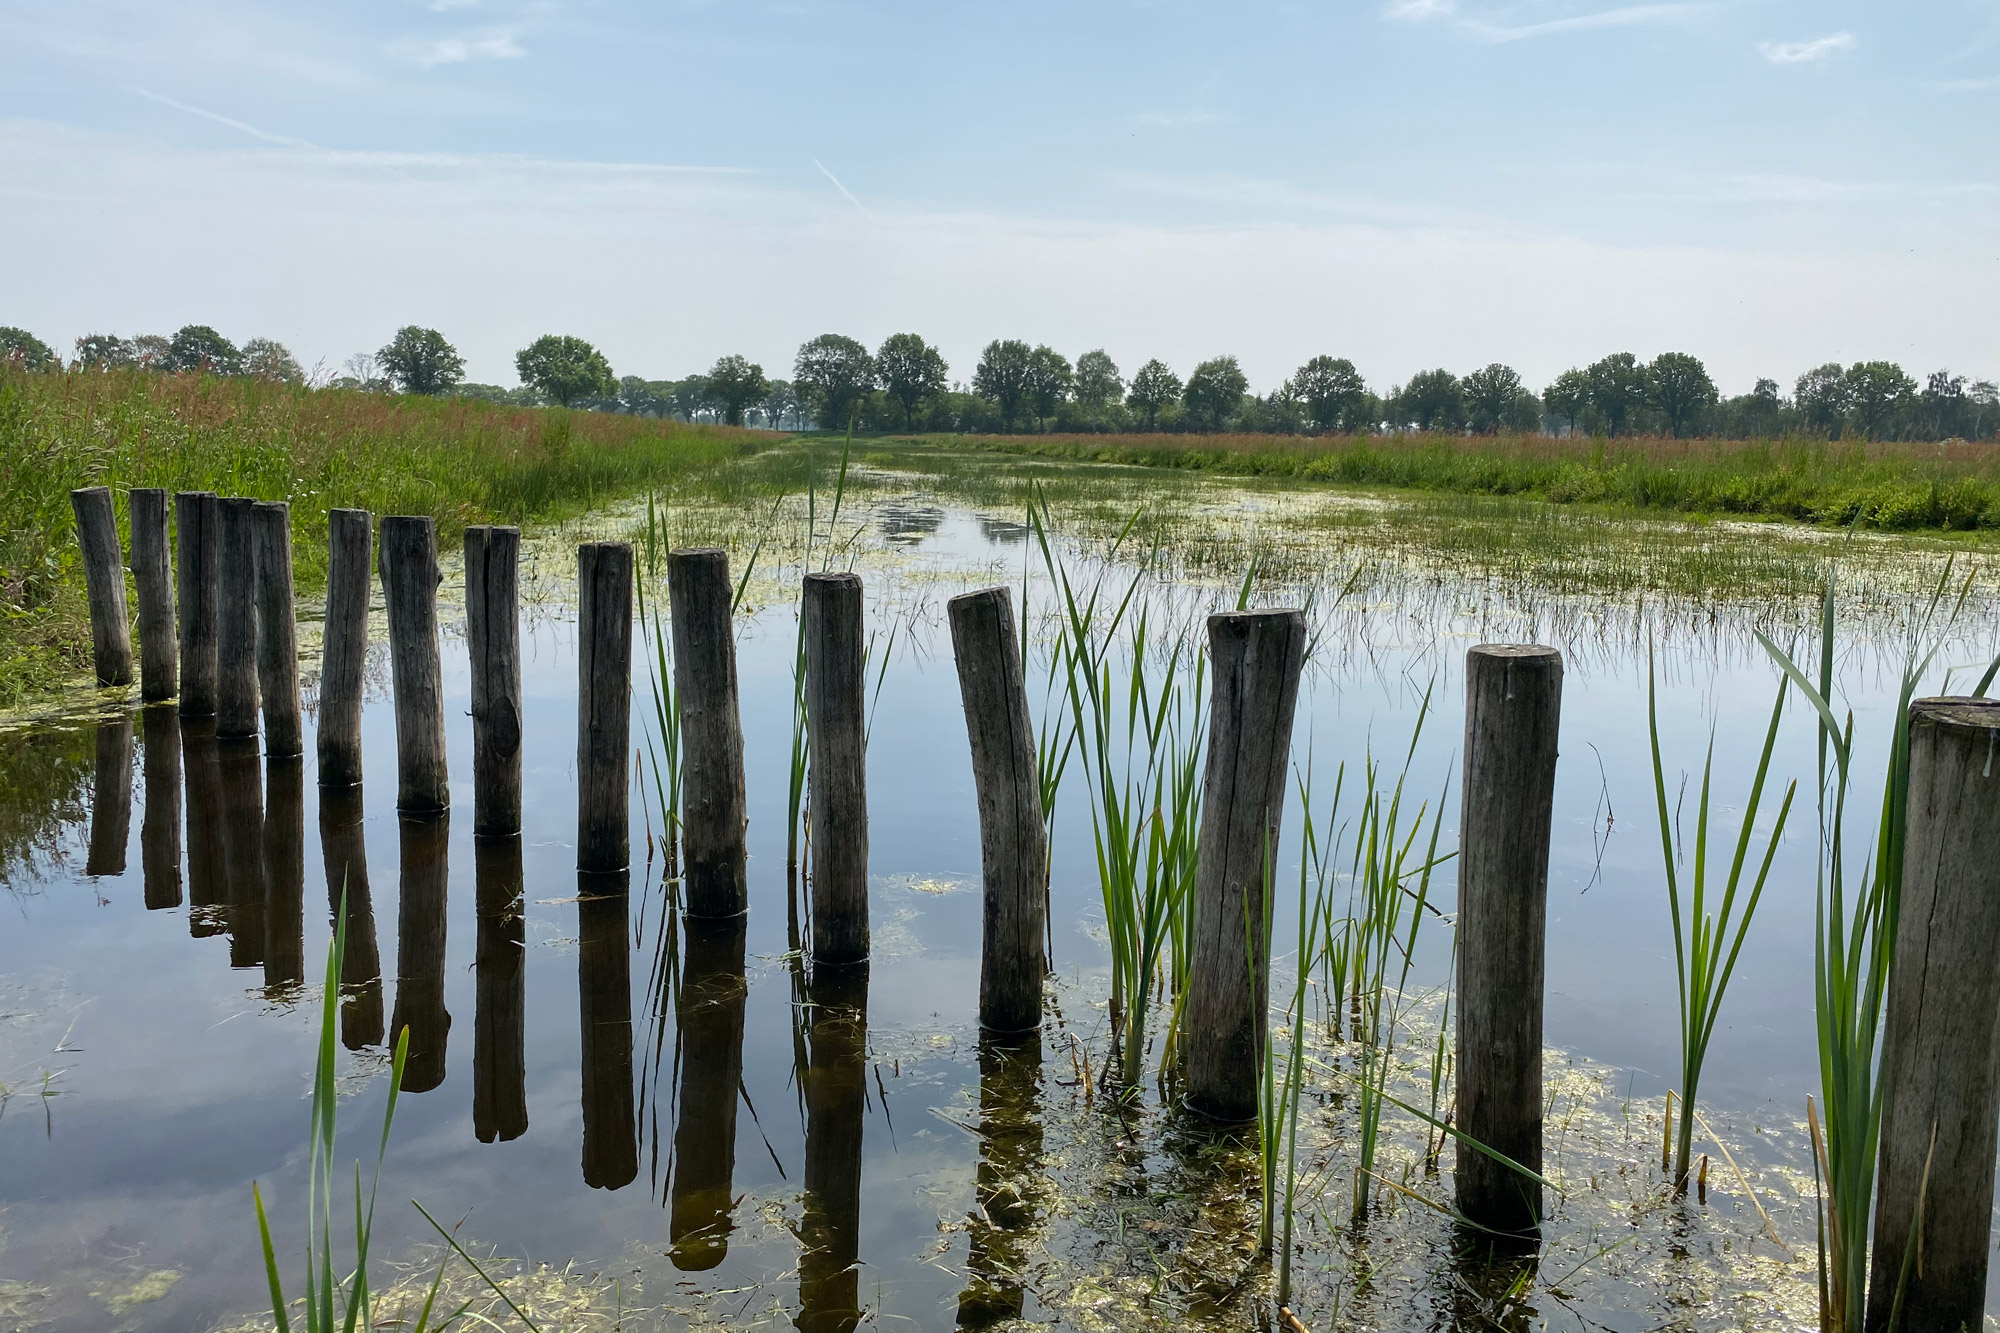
x: 456, y: 460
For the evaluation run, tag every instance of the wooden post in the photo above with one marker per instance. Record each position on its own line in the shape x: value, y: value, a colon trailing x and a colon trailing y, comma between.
x: 284, y: 874
x: 104, y: 579
x: 153, y: 575
x: 499, y: 1015
x: 1940, y: 1058
x: 409, y: 583
x: 603, y: 706
x: 1513, y: 701
x: 160, y: 829
x: 198, y: 579
x: 420, y: 949
x: 714, y: 865
x: 344, y: 850
x: 493, y: 637
x: 1013, y: 842
x: 836, y: 736
x: 1255, y: 657
x: 350, y: 573
x: 277, y: 630
x: 236, y: 621
x: 710, y: 1022
x: 604, y: 1004
x: 111, y: 798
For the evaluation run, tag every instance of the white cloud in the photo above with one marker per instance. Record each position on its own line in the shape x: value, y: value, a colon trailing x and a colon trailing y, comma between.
x: 1176, y: 120
x: 478, y: 44
x: 1418, y: 11
x: 1807, y: 53
x: 1631, y: 16
x: 1967, y: 85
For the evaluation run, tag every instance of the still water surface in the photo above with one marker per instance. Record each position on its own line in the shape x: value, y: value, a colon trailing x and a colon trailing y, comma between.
x: 630, y: 1099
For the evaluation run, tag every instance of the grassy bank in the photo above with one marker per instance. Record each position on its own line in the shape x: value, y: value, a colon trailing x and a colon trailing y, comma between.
x: 459, y: 461
x: 1899, y: 486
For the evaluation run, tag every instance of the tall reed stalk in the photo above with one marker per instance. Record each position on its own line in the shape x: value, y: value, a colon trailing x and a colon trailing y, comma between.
x: 1706, y: 944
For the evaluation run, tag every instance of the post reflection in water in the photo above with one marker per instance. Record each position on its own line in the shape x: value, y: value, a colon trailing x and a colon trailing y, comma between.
x: 499, y: 1040
x: 243, y: 849
x: 1006, y: 1186
x: 345, y: 853
x: 1489, y: 1271
x: 160, y: 829
x: 208, y: 879
x: 420, y: 938
x: 604, y: 980
x: 710, y: 1020
x: 111, y: 798
x: 836, y: 1103
x: 284, y: 875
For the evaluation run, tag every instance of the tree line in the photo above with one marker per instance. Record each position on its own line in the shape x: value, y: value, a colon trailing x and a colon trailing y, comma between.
x: 905, y: 385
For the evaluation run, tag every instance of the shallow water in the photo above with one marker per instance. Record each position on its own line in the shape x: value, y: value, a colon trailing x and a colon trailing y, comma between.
x: 568, y: 1095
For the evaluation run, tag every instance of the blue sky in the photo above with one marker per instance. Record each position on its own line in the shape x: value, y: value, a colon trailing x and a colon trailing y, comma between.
x: 1767, y: 183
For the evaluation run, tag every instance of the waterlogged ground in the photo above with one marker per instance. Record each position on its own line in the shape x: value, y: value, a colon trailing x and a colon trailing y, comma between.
x: 569, y: 1105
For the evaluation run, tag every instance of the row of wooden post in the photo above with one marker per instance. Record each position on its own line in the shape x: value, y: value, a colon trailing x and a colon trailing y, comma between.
x: 1941, y: 1050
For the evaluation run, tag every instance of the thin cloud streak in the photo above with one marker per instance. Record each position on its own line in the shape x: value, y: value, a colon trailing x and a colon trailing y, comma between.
x: 240, y: 126
x: 1807, y: 53
x: 842, y: 188
x: 1631, y: 16
x: 478, y: 44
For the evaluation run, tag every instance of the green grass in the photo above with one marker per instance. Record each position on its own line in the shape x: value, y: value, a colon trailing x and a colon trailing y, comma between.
x: 455, y: 460
x: 1896, y: 486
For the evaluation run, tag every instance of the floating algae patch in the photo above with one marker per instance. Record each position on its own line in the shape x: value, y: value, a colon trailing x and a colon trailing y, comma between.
x: 143, y: 1290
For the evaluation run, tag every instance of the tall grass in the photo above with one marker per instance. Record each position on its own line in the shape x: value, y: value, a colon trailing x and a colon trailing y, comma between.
x: 1912, y: 486
x: 1707, y: 943
x: 1854, y: 943
x: 456, y: 460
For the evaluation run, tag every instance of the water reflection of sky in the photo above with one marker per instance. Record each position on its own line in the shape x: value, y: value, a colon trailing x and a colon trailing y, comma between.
x: 185, y: 1032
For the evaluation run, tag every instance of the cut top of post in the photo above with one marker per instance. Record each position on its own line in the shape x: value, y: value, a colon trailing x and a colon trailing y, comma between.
x: 1957, y: 713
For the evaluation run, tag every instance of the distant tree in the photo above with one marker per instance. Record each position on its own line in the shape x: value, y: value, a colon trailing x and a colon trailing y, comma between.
x: 1097, y: 381
x: 1619, y: 387
x: 1681, y: 390
x: 1877, y: 391
x: 1981, y: 401
x: 1756, y: 414
x: 1049, y: 381
x: 689, y: 397
x: 1823, y: 396
x: 1152, y: 389
x: 485, y: 393
x: 1568, y: 396
x: 831, y: 377
x: 269, y: 359
x: 1432, y: 400
x: 419, y: 360
x: 102, y: 351
x: 199, y: 347
x: 1489, y: 396
x: 1524, y: 414
x: 911, y: 371
x: 362, y: 374
x: 1214, y: 391
x: 150, y: 351
x: 1942, y: 405
x: 734, y: 383
x: 22, y: 348
x: 1279, y: 412
x: 563, y: 369
x: 779, y: 403
x: 1001, y: 377
x: 1329, y: 388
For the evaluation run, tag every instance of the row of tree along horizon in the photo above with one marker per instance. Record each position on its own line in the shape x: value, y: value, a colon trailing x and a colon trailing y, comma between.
x: 905, y: 385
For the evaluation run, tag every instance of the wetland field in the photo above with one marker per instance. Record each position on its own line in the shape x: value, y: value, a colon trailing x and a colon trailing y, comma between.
x: 567, y: 1110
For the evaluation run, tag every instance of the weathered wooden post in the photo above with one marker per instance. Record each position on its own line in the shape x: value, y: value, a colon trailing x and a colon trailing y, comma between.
x: 104, y: 580
x: 277, y: 630
x: 1013, y: 841
x: 1941, y: 1039
x: 603, y: 706
x: 350, y: 573
x: 236, y: 621
x: 714, y: 854
x: 160, y: 829
x: 493, y: 637
x: 1255, y: 658
x: 111, y: 798
x: 837, y: 778
x: 499, y: 1016
x: 153, y: 575
x: 409, y: 583
x: 1513, y: 702
x: 198, y: 581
